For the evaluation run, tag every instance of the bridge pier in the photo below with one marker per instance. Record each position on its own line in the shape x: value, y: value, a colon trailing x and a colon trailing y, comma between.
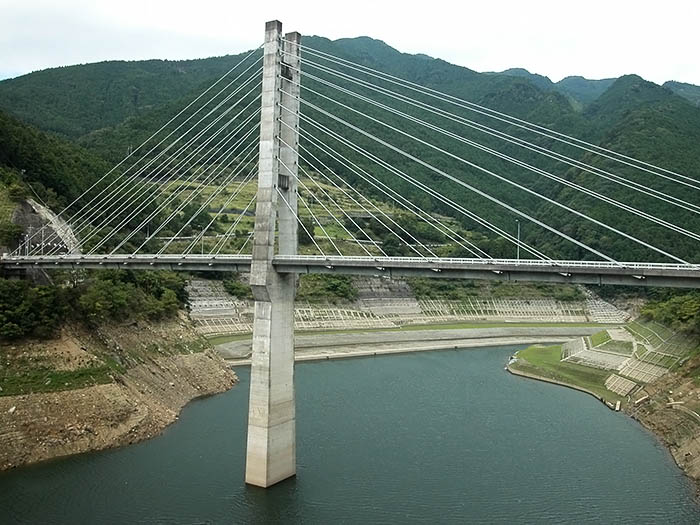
x: 271, y: 446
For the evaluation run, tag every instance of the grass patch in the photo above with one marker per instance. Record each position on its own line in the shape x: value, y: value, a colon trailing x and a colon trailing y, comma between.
x: 657, y: 359
x: 641, y: 331
x: 449, y: 326
x: 227, y: 338
x: 326, y: 288
x: 641, y: 350
x: 48, y: 380
x: 545, y: 361
x: 619, y: 347
x: 600, y: 337
x: 195, y: 346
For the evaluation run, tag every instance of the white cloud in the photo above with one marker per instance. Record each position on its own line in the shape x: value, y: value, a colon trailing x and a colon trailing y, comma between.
x: 595, y: 38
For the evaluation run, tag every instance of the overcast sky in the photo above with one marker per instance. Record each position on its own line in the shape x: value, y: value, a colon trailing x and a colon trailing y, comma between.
x: 658, y: 40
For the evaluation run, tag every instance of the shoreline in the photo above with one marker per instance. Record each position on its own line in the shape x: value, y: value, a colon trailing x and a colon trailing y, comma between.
x: 225, y: 339
x: 135, y: 401
x: 327, y: 353
x: 357, y: 349
x: 325, y: 346
x: 136, y: 407
x: 143, y: 401
x: 535, y: 377
x: 658, y: 436
x: 334, y: 351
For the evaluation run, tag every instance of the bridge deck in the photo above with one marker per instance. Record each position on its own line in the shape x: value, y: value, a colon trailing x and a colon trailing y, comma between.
x: 583, y: 272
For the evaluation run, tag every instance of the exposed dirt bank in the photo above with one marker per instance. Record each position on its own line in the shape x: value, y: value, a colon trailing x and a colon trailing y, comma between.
x: 157, y: 369
x: 671, y: 412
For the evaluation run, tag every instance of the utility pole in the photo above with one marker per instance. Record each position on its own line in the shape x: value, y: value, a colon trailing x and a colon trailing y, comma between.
x: 271, y: 447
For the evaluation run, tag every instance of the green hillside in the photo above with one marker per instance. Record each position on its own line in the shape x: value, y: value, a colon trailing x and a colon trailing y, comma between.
x: 633, y: 116
x: 37, y: 164
x: 75, y: 100
x: 540, y: 81
x: 582, y: 89
x: 689, y: 92
x: 102, y: 110
x: 56, y: 169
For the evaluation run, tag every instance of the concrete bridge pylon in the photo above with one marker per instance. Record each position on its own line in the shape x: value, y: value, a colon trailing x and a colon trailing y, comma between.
x: 271, y: 446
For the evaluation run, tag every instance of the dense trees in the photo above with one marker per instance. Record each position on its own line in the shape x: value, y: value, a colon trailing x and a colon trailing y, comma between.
x: 27, y: 309
x: 679, y: 310
x: 234, y: 286
x: 326, y: 288
x: 115, y: 294
x: 57, y: 170
x: 10, y: 233
x: 76, y: 100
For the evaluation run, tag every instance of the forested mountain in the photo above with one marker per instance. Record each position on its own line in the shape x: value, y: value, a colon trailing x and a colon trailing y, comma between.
x: 540, y: 81
x: 55, y: 168
x: 688, y: 91
x: 75, y: 100
x: 34, y: 163
x: 582, y: 91
x: 627, y: 114
x: 632, y: 116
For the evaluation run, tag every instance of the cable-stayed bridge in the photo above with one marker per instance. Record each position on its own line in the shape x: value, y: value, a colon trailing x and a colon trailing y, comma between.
x: 553, y: 271
x: 351, y: 170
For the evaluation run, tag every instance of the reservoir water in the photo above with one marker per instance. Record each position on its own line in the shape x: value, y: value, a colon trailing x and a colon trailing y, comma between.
x: 428, y: 437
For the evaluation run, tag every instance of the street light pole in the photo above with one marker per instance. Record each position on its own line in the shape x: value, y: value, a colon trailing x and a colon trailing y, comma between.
x: 518, y: 247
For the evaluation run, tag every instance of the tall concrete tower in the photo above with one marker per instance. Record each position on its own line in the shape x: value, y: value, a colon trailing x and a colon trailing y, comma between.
x: 271, y: 447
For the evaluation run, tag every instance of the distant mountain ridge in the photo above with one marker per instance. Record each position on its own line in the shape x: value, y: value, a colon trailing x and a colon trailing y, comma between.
x: 585, y: 91
x: 690, y: 92
x: 74, y: 101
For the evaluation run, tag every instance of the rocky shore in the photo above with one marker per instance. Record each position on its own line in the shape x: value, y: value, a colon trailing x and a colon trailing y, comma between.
x: 676, y: 425
x: 157, y: 379
x: 665, y: 408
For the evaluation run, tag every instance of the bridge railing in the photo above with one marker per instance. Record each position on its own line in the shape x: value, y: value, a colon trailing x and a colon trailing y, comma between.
x: 359, y: 261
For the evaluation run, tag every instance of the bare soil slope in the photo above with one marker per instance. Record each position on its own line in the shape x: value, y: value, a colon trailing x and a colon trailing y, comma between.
x: 157, y: 369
